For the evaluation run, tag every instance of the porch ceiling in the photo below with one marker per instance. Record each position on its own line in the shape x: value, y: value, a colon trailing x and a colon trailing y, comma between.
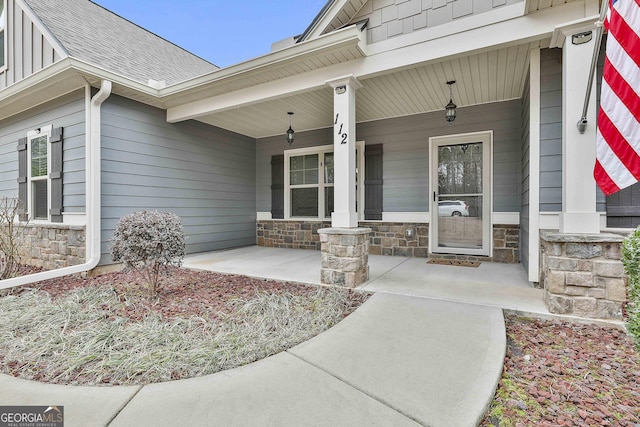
x: 484, y: 77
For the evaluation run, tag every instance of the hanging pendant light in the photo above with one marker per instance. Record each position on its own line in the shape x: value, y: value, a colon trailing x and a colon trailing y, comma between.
x: 450, y: 108
x: 290, y: 131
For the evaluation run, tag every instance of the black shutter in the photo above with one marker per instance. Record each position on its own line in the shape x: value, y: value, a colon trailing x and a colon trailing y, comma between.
x: 22, y: 178
x: 373, y: 182
x: 277, y: 186
x: 623, y: 208
x: 56, y: 175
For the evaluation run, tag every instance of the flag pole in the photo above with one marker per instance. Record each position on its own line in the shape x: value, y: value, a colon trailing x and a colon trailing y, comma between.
x: 582, y: 123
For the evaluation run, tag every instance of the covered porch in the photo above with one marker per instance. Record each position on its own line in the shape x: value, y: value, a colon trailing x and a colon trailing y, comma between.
x: 490, y: 284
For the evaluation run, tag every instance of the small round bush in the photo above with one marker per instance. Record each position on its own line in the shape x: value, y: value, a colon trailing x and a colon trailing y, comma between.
x: 147, y: 241
x: 631, y: 261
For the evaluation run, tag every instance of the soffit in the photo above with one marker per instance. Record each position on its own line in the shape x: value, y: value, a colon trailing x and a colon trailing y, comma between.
x: 336, y: 48
x: 484, y: 77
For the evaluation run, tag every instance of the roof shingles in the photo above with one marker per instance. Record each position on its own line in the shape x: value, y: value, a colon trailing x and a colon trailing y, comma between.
x: 98, y: 36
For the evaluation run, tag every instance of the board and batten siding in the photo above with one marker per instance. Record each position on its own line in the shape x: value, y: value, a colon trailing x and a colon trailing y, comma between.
x: 203, y: 174
x: 67, y: 112
x: 28, y: 50
x: 406, y: 154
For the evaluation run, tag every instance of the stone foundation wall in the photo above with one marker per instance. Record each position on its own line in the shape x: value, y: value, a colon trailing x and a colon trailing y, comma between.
x: 398, y: 239
x: 583, y: 275
x: 53, y: 246
x: 290, y: 234
x: 386, y: 238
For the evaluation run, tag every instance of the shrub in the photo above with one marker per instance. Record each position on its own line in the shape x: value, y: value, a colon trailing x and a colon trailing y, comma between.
x: 148, y: 241
x: 631, y: 261
x: 11, y: 237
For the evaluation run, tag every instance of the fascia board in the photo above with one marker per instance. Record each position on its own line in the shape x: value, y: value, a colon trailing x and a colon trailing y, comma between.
x: 336, y: 40
x: 321, y: 24
x: 68, y: 68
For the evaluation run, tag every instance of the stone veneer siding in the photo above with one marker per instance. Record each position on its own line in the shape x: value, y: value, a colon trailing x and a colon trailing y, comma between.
x: 53, y: 246
x: 583, y: 274
x: 386, y: 238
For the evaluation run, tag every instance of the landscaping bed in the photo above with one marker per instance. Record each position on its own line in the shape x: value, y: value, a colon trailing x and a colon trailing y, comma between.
x: 566, y: 374
x: 106, y: 331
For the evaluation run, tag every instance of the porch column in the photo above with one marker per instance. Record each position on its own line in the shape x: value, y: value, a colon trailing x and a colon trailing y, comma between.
x: 579, y: 213
x: 344, y: 151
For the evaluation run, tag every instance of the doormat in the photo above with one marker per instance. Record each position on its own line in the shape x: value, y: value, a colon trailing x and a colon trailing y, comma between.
x: 455, y: 262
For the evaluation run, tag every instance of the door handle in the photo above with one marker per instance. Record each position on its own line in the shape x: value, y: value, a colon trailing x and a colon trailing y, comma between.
x: 434, y: 196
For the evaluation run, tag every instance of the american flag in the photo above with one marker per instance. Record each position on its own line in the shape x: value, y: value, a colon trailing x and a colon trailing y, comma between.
x: 618, y: 136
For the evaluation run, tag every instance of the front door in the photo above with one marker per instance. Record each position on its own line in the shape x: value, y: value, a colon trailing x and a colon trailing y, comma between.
x: 460, y: 186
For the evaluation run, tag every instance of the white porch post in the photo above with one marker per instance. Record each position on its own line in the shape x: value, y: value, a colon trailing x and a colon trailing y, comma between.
x: 344, y: 149
x: 579, y: 213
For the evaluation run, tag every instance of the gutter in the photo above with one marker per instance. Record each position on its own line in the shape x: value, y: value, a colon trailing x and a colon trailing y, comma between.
x: 92, y: 189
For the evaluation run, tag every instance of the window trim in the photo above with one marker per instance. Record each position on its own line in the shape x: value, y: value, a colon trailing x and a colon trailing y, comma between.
x: 322, y: 149
x: 4, y: 67
x: 31, y: 135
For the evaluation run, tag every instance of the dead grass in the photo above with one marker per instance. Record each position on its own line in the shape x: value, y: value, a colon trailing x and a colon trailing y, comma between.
x: 82, y: 337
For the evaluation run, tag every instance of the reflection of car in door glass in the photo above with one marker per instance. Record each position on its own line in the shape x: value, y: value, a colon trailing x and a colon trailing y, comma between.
x: 452, y: 208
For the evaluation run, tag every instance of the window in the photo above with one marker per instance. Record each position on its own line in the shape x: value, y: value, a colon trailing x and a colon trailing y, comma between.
x: 309, y: 177
x: 3, y: 26
x: 38, y: 175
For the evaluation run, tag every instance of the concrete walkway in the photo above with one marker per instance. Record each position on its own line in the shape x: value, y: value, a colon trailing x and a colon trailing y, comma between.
x: 411, y: 355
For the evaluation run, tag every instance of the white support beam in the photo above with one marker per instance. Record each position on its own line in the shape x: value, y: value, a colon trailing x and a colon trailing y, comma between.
x: 344, y: 152
x: 579, y: 211
x: 510, y: 32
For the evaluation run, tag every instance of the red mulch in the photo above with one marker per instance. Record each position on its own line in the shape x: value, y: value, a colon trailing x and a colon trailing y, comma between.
x: 567, y: 374
x: 182, y: 292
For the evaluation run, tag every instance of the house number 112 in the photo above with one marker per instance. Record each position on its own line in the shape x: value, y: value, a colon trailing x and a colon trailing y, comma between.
x: 342, y: 135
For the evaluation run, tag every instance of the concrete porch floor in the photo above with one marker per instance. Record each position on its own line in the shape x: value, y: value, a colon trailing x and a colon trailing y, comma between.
x: 491, y: 284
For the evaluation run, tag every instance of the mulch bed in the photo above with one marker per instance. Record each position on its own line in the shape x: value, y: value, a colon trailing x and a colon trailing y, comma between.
x: 182, y: 292
x: 567, y: 374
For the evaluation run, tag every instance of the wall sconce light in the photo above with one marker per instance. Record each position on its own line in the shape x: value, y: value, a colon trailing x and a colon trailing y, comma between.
x: 450, y: 108
x: 290, y: 131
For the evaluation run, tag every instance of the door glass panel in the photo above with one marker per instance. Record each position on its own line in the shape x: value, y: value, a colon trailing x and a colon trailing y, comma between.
x: 460, y: 222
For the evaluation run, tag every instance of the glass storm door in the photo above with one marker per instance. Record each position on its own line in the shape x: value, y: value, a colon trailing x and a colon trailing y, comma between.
x: 461, y: 202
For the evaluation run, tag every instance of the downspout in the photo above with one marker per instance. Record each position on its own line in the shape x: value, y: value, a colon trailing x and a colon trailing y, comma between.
x: 92, y: 190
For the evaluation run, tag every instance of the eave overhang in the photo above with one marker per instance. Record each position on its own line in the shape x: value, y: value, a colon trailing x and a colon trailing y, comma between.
x: 340, y: 46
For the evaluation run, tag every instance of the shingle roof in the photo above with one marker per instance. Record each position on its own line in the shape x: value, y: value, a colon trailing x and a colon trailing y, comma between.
x: 98, y: 36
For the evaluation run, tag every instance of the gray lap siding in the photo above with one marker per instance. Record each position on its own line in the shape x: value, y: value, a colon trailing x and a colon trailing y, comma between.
x: 66, y: 112
x: 406, y: 154
x: 203, y: 174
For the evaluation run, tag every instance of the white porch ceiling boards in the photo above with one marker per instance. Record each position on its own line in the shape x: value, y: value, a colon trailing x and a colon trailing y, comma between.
x: 480, y: 78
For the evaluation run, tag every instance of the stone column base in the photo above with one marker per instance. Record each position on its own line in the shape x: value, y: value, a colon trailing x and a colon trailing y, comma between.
x: 583, y: 274
x: 345, y: 256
